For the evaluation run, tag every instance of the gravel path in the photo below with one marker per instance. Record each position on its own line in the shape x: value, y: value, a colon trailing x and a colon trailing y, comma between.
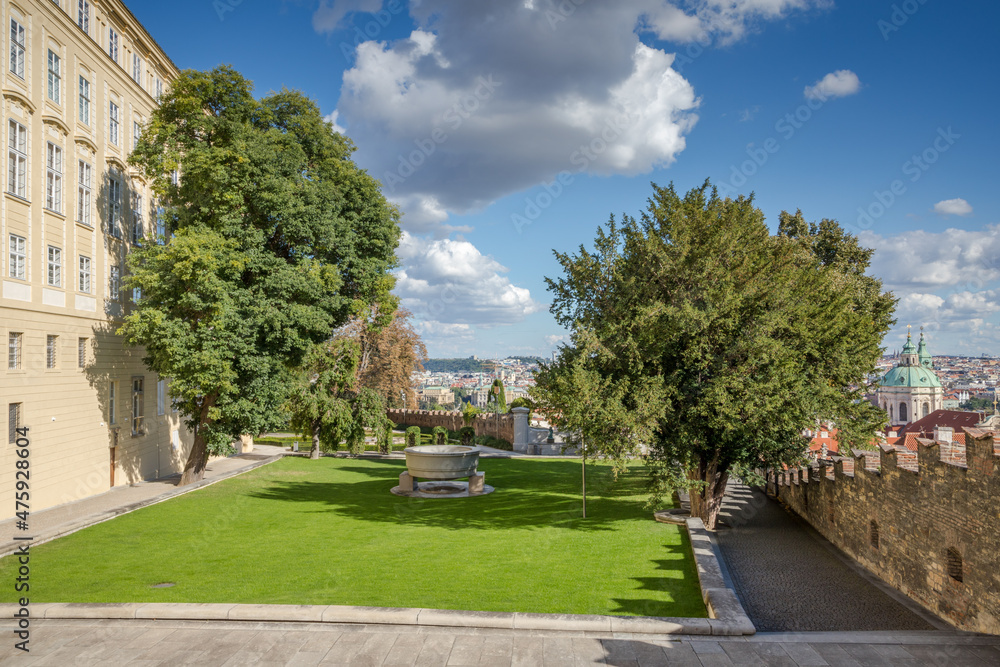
x: 790, y: 580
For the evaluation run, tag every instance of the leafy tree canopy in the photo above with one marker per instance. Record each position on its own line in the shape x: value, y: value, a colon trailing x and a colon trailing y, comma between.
x: 275, y: 237
x: 698, y: 334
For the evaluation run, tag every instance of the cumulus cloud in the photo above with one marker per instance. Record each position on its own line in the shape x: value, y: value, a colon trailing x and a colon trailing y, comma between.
x: 332, y: 119
x: 921, y: 260
x: 841, y: 83
x: 952, y: 207
x: 445, y: 281
x: 484, y: 99
x: 555, y: 340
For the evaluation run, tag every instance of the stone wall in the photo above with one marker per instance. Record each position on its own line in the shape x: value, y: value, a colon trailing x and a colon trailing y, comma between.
x: 927, y: 524
x: 499, y: 427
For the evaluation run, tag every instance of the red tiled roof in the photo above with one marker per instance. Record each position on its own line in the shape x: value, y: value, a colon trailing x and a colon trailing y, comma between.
x: 955, y: 419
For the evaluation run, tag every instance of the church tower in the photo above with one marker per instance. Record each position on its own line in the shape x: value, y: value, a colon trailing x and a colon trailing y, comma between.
x: 912, y: 389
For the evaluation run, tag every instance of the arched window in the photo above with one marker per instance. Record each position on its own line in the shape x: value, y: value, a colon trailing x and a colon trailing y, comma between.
x: 927, y: 409
x: 954, y: 564
x: 902, y: 412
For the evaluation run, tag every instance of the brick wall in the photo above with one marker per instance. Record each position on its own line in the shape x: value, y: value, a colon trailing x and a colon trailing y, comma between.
x: 502, y: 427
x: 914, y: 521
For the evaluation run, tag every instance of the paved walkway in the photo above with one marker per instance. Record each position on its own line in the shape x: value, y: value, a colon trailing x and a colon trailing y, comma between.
x: 168, y: 643
x: 789, y: 578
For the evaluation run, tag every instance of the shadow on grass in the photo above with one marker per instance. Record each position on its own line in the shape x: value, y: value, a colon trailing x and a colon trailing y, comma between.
x: 676, y: 587
x: 526, y: 497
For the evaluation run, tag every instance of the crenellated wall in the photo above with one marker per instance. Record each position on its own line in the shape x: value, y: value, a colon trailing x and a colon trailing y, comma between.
x: 926, y: 523
x: 499, y: 427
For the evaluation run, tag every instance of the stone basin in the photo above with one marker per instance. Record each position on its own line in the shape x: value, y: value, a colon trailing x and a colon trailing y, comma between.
x: 441, y: 461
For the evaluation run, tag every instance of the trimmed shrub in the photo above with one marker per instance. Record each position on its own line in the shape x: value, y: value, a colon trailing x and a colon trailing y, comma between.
x: 467, y: 434
x: 440, y: 435
x: 413, y: 436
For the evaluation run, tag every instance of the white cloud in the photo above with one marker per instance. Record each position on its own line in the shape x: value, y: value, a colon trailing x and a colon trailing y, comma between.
x: 952, y: 207
x: 332, y: 119
x: 841, y: 83
x: 555, y: 340
x: 484, y: 99
x: 331, y: 13
x: 451, y: 282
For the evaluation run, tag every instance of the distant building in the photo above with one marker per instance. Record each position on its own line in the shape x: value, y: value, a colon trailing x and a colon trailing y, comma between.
x: 911, y: 390
x: 436, y: 395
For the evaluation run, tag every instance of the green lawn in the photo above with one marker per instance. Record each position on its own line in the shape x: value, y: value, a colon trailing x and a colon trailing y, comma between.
x: 329, y: 532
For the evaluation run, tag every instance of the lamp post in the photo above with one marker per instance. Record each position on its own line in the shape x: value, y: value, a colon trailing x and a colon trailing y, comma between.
x: 583, y: 448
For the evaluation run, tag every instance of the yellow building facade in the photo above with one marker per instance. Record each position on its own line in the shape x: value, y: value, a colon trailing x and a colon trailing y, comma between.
x: 79, y: 80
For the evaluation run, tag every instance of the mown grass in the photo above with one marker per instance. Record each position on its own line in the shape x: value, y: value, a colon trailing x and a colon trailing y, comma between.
x: 329, y: 532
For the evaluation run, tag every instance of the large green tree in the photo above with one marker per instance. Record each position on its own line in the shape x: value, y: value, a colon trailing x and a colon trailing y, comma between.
x: 274, y: 238
x: 699, y: 335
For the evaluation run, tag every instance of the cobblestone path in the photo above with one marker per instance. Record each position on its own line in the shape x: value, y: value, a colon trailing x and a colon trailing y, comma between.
x: 790, y: 581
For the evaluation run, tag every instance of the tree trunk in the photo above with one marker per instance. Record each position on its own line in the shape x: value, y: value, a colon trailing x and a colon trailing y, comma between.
x: 314, y: 452
x: 706, y: 502
x: 194, y: 468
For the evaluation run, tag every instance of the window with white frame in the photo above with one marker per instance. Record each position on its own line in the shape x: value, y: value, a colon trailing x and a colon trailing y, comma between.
x: 114, y: 205
x: 114, y: 283
x: 81, y: 352
x: 53, y: 177
x: 136, y: 294
x: 137, y: 405
x: 18, y: 256
x: 161, y: 397
x: 16, y: 48
x: 55, y: 77
x: 161, y: 225
x: 54, y: 275
x: 138, y: 230
x: 83, y: 195
x: 113, y: 44
x: 136, y: 133
x: 17, y: 158
x: 137, y: 68
x: 84, y: 274
x: 84, y: 100
x: 159, y: 90
x: 51, y: 346
x: 14, y: 350
x: 113, y: 123
x: 13, y: 422
x: 83, y: 15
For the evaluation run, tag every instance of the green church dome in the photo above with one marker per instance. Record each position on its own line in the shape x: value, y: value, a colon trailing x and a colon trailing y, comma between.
x: 910, y: 376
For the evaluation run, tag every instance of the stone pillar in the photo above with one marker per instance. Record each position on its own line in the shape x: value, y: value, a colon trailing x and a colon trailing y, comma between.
x: 520, y: 429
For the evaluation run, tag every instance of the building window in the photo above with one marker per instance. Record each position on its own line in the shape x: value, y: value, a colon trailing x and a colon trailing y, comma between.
x: 161, y: 225
x: 113, y: 123
x: 927, y: 409
x: 136, y: 294
x: 83, y: 15
x: 113, y: 44
x: 83, y: 194
x: 114, y: 206
x: 954, y: 564
x: 18, y: 256
x: 51, y: 345
x: 137, y: 68
x: 81, y: 352
x: 902, y: 412
x: 16, y: 48
x: 53, y: 177
x: 136, y: 133
x: 84, y: 274
x: 114, y: 283
x: 84, y: 100
x: 112, y: 399
x: 13, y: 421
x: 161, y: 397
x: 55, y: 77
x: 873, y: 534
x: 137, y: 222
x: 14, y: 350
x: 159, y: 90
x: 55, y: 267
x: 17, y: 162
x: 137, y: 406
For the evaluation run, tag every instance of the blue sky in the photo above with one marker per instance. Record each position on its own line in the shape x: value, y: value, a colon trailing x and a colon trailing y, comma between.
x: 881, y: 115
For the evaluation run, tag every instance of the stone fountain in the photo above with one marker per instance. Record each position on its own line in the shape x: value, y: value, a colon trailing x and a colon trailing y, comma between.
x: 440, y: 466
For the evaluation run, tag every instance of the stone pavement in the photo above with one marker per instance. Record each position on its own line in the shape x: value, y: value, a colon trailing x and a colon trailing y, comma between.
x: 168, y: 643
x: 790, y: 578
x: 64, y: 519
